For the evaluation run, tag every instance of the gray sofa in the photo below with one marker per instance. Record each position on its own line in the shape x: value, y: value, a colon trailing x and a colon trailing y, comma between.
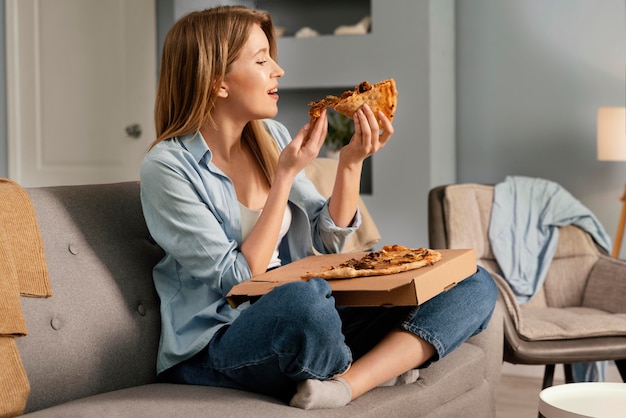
x: 91, y: 347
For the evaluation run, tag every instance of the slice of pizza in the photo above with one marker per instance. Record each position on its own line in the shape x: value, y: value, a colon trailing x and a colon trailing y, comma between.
x: 391, y: 259
x: 381, y: 96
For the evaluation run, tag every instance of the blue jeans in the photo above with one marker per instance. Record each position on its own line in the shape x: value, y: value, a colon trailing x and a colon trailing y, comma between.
x: 295, y: 332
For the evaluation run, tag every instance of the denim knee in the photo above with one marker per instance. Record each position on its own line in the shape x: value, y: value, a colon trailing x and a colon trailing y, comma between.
x: 453, y: 316
x: 489, y: 295
x: 308, y: 331
x: 308, y: 307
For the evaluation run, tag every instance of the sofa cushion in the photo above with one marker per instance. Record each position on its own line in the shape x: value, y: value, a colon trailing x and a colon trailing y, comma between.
x: 441, y: 384
x: 572, y: 322
x: 100, y: 329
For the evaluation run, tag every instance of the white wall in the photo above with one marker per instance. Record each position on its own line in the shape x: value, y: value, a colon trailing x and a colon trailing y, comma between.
x: 530, y: 77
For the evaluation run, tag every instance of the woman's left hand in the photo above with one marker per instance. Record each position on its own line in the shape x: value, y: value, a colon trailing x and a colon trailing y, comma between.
x: 368, y: 136
x: 305, y: 146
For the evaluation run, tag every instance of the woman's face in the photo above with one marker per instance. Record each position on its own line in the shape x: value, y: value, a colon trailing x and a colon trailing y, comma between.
x: 251, y: 85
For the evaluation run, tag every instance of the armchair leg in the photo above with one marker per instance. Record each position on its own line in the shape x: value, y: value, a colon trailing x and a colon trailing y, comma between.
x: 548, y: 376
x: 548, y: 379
x: 569, y: 374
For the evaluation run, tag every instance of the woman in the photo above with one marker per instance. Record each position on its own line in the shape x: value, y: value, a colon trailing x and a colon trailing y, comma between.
x: 224, y: 194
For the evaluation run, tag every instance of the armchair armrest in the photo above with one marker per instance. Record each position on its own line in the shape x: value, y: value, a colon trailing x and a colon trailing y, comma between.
x: 606, y: 286
x: 507, y: 297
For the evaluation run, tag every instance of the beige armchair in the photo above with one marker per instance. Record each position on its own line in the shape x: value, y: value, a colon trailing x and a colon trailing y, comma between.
x: 579, y: 315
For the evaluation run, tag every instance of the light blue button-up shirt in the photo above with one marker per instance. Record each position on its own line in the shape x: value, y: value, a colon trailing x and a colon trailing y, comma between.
x: 191, y: 210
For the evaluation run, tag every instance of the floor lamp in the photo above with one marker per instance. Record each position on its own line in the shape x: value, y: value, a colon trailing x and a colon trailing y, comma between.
x: 612, y: 147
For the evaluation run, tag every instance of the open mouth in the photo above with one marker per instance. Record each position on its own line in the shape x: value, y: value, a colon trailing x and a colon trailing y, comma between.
x: 273, y: 92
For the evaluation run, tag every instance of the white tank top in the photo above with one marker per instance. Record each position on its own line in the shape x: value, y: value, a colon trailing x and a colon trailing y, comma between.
x: 249, y: 217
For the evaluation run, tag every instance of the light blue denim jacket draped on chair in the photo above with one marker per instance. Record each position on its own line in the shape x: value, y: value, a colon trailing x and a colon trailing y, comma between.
x: 523, y: 233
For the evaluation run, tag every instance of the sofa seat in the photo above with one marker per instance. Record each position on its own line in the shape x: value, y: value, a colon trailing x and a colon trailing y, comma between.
x: 440, y: 385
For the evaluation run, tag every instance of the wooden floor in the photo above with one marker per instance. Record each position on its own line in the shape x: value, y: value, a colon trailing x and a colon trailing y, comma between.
x: 518, y: 392
x: 518, y: 397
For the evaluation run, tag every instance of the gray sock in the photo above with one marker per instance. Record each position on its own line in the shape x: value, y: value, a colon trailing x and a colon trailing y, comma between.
x: 405, y: 378
x: 321, y: 394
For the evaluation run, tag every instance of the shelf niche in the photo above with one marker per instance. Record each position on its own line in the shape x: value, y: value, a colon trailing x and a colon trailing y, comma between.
x: 324, y: 16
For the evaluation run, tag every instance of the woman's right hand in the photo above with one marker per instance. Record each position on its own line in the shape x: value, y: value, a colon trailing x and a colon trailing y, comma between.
x: 305, y: 146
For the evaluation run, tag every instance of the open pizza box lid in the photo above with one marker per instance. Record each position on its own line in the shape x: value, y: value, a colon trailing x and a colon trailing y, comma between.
x: 408, y: 288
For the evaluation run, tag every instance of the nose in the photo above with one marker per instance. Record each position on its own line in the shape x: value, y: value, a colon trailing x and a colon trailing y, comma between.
x: 279, y: 72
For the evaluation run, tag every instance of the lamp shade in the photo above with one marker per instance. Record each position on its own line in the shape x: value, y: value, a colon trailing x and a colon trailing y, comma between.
x: 612, y: 134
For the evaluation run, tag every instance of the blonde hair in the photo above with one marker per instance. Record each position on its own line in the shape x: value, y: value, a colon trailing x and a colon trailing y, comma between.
x: 198, y: 52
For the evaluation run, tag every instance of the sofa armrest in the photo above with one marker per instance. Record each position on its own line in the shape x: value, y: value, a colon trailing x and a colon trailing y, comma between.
x: 491, y: 341
x: 606, y: 286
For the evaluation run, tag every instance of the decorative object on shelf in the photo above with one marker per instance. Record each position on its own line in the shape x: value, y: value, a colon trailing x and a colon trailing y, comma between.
x: 360, y: 28
x: 612, y: 147
x: 306, y: 32
x: 340, y: 131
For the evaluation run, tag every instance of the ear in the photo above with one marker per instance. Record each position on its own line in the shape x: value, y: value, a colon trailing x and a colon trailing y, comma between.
x: 222, y: 91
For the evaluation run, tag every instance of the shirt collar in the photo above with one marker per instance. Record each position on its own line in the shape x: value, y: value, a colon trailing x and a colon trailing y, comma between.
x: 196, y: 145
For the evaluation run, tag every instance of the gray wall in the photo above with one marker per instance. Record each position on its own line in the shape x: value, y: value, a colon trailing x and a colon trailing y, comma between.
x: 165, y: 17
x: 531, y: 75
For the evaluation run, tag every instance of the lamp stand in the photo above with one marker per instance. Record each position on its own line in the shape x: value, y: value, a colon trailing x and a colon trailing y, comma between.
x: 620, y: 228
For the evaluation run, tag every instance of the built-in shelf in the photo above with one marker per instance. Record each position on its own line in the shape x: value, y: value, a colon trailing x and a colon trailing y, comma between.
x: 326, y: 60
x: 324, y: 16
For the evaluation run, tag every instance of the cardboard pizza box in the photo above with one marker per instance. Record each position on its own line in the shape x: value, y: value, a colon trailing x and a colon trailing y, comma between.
x: 409, y: 288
